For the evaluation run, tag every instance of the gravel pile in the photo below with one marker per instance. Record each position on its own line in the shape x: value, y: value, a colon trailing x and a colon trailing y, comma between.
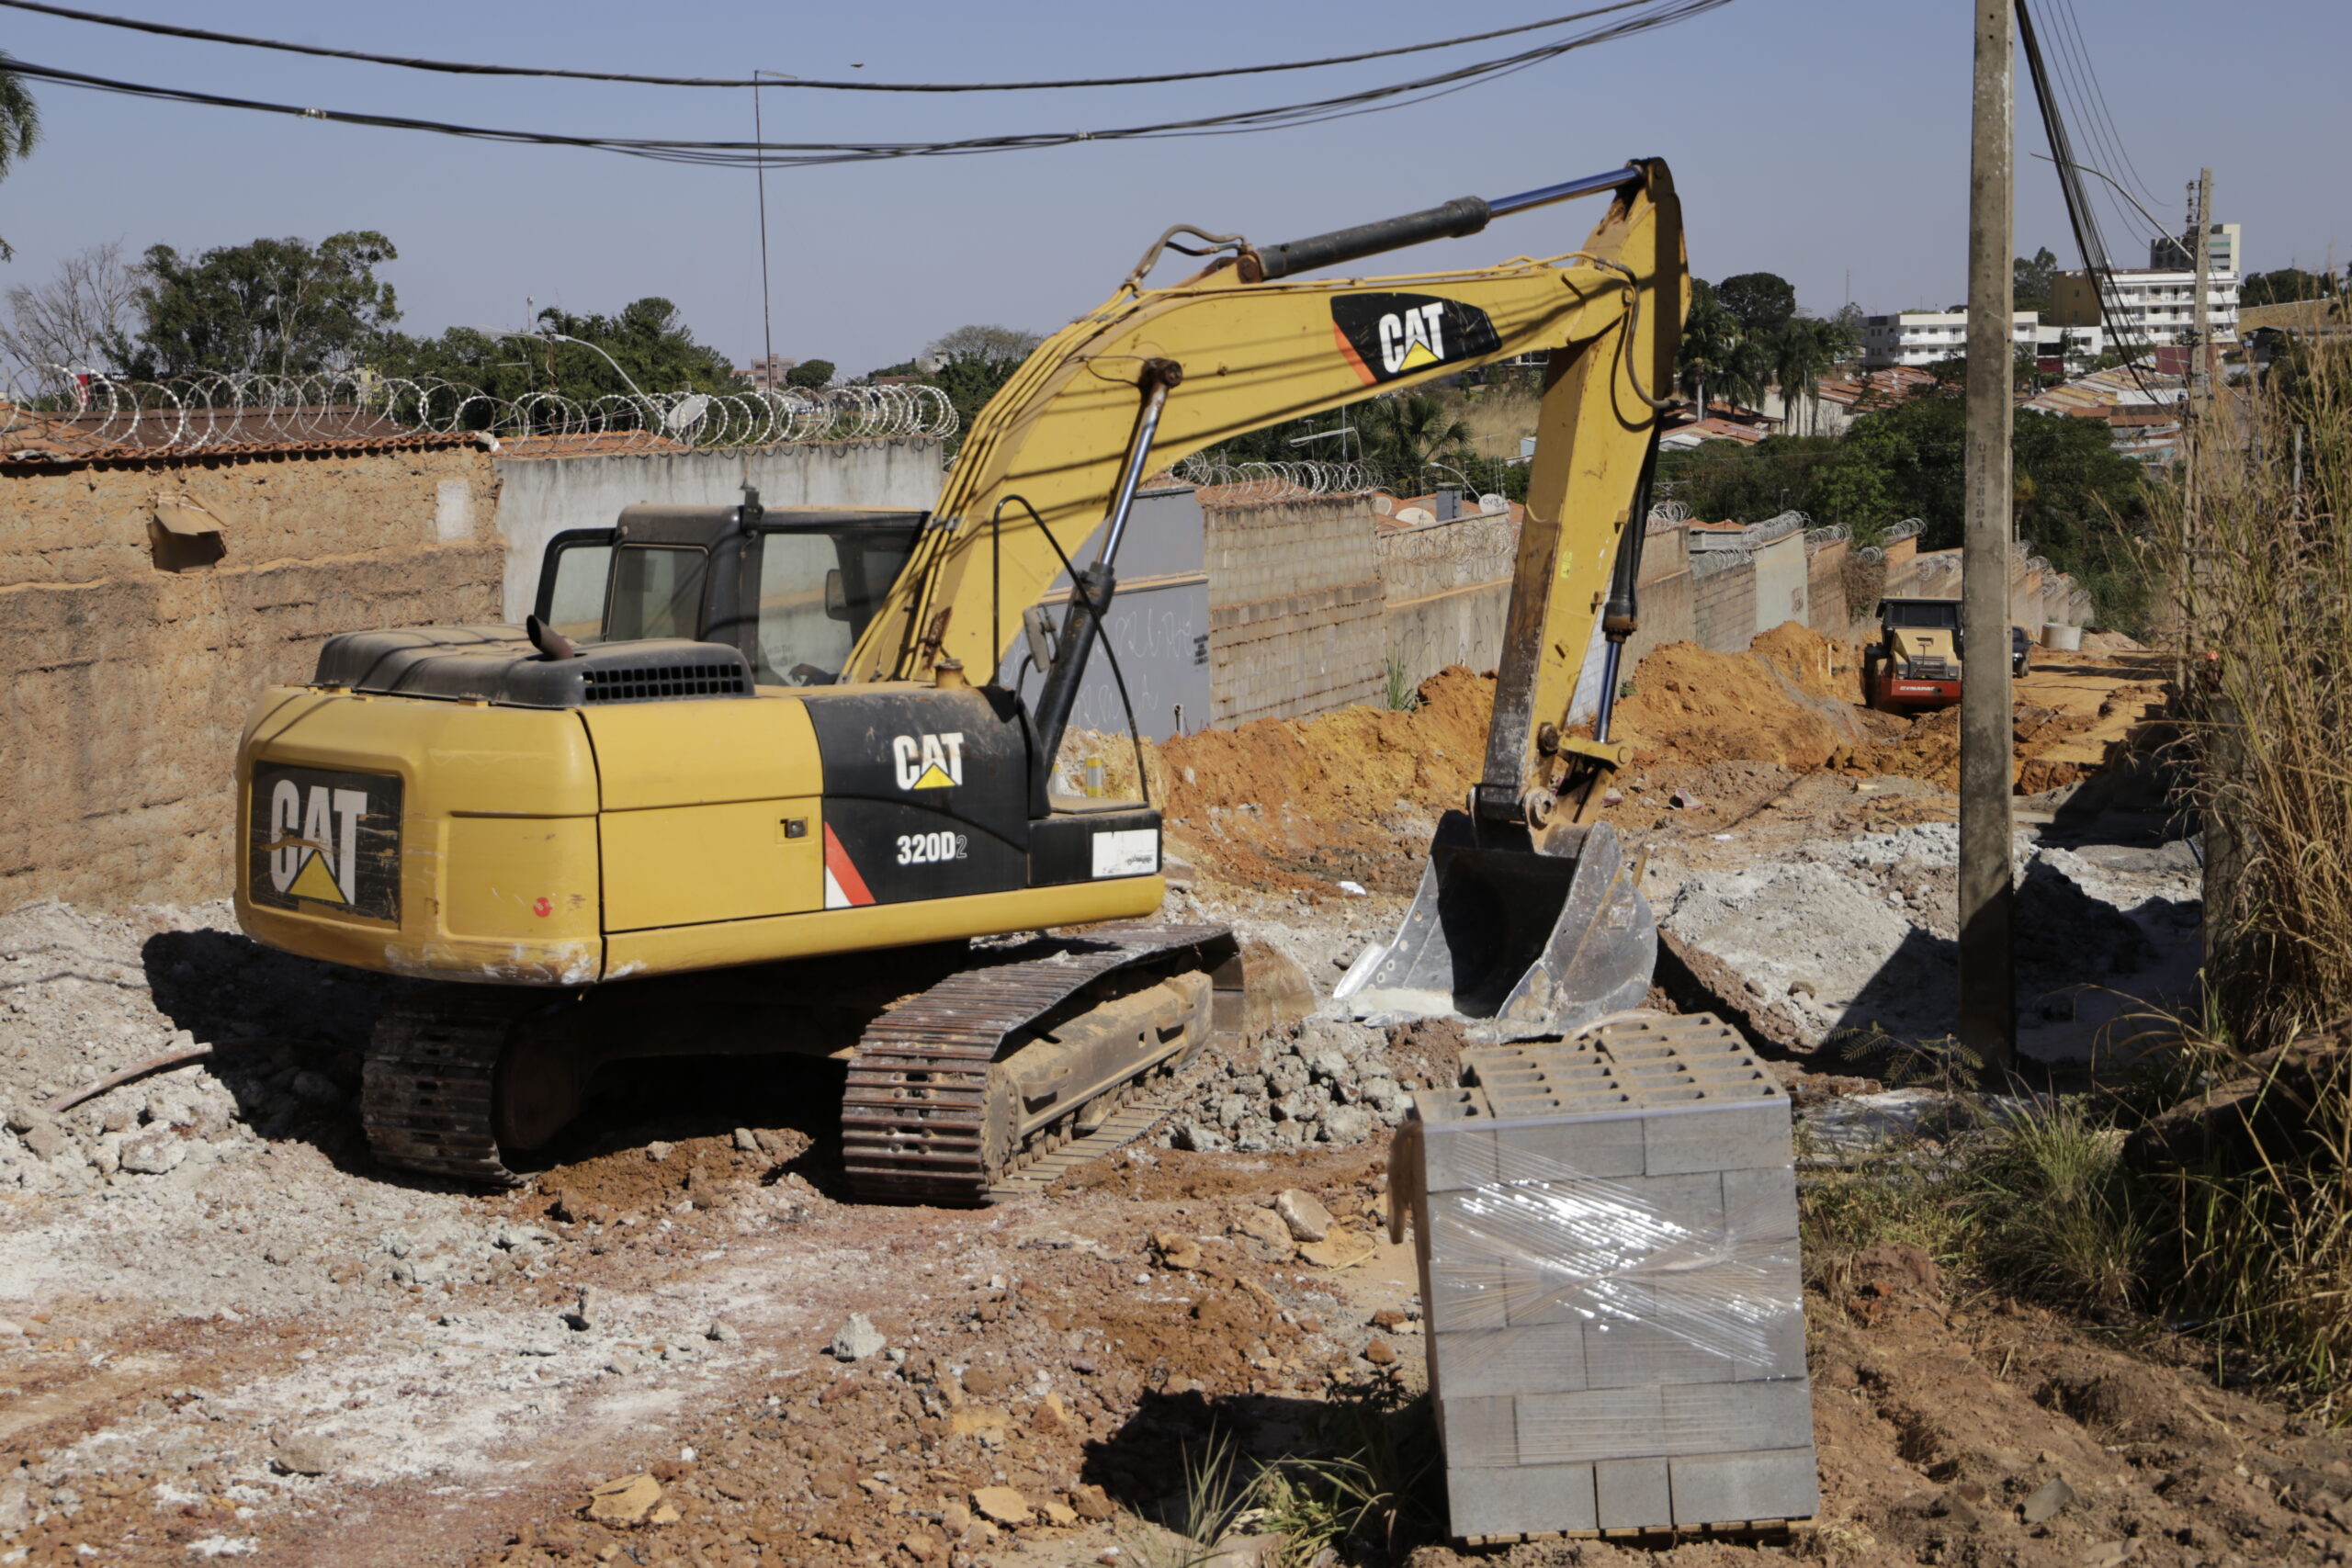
x: 1323, y: 1081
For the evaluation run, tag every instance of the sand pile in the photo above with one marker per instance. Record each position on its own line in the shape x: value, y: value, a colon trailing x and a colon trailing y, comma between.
x: 1334, y: 796
x: 1792, y: 698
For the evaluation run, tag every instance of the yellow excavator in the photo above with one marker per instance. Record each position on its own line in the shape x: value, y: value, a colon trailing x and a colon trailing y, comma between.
x: 733, y: 788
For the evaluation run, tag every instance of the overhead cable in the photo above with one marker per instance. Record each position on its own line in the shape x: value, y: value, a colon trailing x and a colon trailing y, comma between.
x: 794, y: 154
x: 465, y: 68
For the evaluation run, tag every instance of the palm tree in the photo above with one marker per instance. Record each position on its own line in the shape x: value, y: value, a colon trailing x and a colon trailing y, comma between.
x: 1747, y: 371
x: 1401, y: 434
x: 1708, y: 338
x: 1800, y: 353
x: 19, y: 128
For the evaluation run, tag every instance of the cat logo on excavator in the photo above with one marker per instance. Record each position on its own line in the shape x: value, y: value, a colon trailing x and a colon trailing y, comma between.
x: 1385, y: 336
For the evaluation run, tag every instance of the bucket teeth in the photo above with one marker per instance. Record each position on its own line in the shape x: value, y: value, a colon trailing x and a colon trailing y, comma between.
x: 1527, y: 943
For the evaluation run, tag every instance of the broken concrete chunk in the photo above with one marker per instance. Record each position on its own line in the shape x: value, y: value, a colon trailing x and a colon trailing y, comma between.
x: 722, y: 1332
x: 1337, y: 1250
x: 858, y: 1338
x: 153, y: 1154
x: 624, y: 1501
x: 306, y: 1454
x: 46, y: 1141
x: 2044, y: 1505
x: 1308, y: 1220
x: 1004, y: 1505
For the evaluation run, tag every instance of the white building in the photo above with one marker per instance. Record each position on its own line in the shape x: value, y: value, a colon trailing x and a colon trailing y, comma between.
x: 2174, y: 255
x: 2145, y: 305
x: 1918, y: 338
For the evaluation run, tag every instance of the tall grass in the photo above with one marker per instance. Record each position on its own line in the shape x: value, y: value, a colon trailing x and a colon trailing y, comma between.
x: 2255, y: 549
x: 2255, y: 546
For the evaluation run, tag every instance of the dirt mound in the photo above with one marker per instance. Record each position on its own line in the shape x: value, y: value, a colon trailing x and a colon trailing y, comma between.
x: 2112, y: 642
x: 1790, y: 699
x: 1318, y: 800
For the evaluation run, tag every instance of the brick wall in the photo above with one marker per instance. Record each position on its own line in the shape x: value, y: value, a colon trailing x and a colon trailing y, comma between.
x: 127, y: 686
x: 1296, y: 608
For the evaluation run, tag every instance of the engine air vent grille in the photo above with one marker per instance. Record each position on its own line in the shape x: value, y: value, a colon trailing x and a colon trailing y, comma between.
x: 655, y: 683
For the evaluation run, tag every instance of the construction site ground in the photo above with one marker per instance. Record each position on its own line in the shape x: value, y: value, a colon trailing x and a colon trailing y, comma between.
x: 225, y: 1334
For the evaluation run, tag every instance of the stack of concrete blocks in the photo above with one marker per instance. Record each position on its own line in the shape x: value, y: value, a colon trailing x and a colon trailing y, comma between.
x: 1608, y: 1241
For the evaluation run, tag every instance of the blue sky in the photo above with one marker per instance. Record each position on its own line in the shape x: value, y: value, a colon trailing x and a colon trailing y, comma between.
x: 1825, y: 140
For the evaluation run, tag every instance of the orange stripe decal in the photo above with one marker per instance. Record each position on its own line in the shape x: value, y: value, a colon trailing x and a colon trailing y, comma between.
x: 1348, y: 351
x: 837, y: 861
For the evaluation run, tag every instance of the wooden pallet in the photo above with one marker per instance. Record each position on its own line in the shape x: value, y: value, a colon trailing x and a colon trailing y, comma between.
x: 1752, y: 1531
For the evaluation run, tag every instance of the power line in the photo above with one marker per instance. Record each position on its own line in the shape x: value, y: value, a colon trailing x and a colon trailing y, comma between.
x: 2066, y: 14
x: 462, y: 68
x: 795, y: 154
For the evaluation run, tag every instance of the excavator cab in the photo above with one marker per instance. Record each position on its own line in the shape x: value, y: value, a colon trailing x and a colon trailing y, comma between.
x: 792, y: 588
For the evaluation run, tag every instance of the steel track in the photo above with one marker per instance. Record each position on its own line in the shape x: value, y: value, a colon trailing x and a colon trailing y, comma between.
x: 914, y: 1115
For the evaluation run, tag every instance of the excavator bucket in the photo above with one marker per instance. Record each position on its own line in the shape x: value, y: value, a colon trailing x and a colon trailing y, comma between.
x: 1529, y: 942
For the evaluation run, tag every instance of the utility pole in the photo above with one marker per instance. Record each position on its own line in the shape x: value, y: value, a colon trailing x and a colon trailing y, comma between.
x: 2201, y: 376
x: 1988, y: 1013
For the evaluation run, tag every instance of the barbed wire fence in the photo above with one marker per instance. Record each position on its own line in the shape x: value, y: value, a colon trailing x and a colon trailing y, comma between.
x: 1241, y: 484
x: 71, y: 409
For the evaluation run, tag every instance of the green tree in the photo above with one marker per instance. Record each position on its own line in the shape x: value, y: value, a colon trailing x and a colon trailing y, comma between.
x: 1402, y: 435
x: 810, y: 373
x: 1709, y: 335
x: 19, y: 128
x: 973, y: 363
x: 2287, y: 285
x: 285, y: 307
x: 647, y: 347
x: 1747, y: 370
x: 2031, y: 281
x: 1802, y: 351
x: 1760, y: 302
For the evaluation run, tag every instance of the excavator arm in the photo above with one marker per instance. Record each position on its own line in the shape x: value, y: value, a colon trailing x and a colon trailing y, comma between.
x: 1242, y: 345
x: 1527, y: 918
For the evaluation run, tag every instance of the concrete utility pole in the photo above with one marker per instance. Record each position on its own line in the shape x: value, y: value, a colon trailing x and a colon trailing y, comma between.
x: 2201, y: 376
x: 1988, y: 1013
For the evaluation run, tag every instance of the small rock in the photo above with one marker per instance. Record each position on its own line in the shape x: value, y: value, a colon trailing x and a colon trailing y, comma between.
x: 1308, y: 1220
x: 305, y: 1454
x: 922, y: 1547
x: 15, y: 1506
x: 47, y: 1141
x: 1005, y: 1505
x: 657, y: 1151
x: 663, y: 1513
x: 1263, y: 1226
x: 624, y: 1501
x: 622, y: 1361
x: 2054, y: 1494
x: 954, y: 1518
x: 1092, y: 1503
x: 858, y: 1340
x: 1060, y: 1514
x: 1380, y: 1353
x: 1176, y: 1250
x: 153, y: 1154
x: 584, y: 1318
x: 1348, y: 1124
x: 745, y: 1142
x: 1353, y: 890
x: 723, y: 1332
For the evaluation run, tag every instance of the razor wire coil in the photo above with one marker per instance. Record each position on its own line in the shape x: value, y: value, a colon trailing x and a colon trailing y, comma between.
x: 64, y: 411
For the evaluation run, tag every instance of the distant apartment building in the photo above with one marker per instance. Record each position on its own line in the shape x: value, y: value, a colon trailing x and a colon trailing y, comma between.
x: 1919, y: 338
x: 2147, y: 305
x: 768, y: 373
x: 2168, y: 254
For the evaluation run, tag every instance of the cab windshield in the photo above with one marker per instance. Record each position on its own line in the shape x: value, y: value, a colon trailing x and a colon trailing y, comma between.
x: 814, y: 591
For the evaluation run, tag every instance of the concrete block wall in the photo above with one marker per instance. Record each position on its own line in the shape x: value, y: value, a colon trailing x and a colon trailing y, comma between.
x: 1448, y: 591
x: 1575, y: 1389
x: 1297, y: 612
x: 128, y: 684
x: 1782, y: 583
x: 1723, y: 608
x: 1667, y: 598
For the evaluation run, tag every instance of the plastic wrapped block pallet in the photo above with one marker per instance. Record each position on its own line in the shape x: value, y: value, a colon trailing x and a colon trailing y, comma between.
x: 1607, y: 1233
